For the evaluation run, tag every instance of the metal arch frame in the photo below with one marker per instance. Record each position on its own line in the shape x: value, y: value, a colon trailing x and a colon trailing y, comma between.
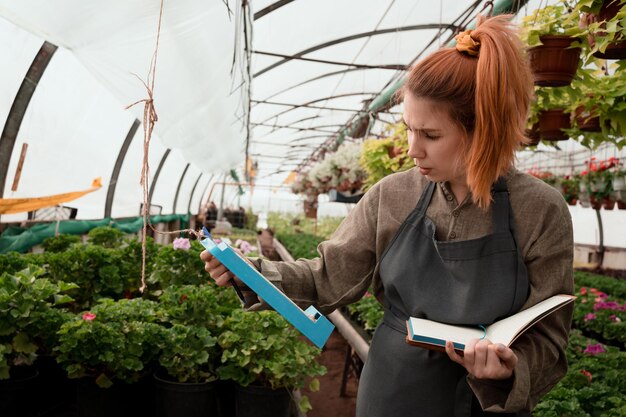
x: 312, y: 128
x: 180, y: 183
x: 156, y: 176
x: 397, y: 67
x: 296, y: 106
x: 20, y: 105
x: 353, y: 37
x: 271, y: 8
x: 108, y: 205
x: 206, y: 187
x: 319, y: 77
x: 193, y: 190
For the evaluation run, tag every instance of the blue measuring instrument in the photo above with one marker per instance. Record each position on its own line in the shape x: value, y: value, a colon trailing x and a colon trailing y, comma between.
x: 310, y: 322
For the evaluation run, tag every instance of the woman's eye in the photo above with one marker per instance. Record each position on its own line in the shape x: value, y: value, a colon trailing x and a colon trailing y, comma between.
x: 432, y: 137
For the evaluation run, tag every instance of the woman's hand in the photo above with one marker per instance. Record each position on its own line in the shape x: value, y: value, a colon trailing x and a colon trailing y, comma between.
x: 217, y: 271
x: 485, y: 360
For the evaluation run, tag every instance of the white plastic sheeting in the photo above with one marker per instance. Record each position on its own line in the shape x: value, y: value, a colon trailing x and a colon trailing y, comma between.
x: 76, y: 121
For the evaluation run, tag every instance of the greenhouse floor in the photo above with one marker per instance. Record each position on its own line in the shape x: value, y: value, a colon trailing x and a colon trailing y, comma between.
x: 328, y: 401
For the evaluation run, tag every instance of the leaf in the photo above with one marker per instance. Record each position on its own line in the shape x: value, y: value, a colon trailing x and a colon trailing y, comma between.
x: 305, y: 404
x: 314, y: 385
x: 22, y: 343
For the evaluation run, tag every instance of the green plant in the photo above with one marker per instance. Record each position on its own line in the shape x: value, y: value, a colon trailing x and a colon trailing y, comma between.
x: 301, y: 245
x: 262, y: 349
x: 96, y: 270
x: 115, y: 341
x: 602, y: 33
x: 382, y: 157
x: 29, y: 316
x: 204, y: 305
x: 554, y: 19
x: 59, y: 243
x: 189, y: 353
x: 595, y: 93
x: 13, y: 262
x: 569, y: 186
x: 106, y: 236
x: 368, y: 311
x: 178, y: 266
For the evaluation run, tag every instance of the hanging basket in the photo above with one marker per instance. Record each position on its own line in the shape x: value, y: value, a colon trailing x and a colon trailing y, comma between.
x: 615, y: 50
x: 554, y: 63
x: 550, y: 124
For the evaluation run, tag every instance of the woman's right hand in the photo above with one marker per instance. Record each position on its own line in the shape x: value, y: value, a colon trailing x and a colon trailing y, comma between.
x: 218, y: 272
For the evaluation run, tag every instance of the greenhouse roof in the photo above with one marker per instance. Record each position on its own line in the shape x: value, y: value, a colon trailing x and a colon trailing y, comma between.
x: 277, y: 81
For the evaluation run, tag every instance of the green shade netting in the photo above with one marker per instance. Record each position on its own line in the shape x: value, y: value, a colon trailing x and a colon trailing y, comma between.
x: 19, y: 239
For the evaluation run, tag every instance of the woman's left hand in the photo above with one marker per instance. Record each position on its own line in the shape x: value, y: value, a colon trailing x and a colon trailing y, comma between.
x: 485, y: 360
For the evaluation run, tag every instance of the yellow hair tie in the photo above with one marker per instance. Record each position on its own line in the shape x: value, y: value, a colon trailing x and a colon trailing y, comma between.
x: 465, y: 43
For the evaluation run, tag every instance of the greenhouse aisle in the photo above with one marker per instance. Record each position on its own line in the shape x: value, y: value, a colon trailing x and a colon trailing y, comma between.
x: 327, y: 401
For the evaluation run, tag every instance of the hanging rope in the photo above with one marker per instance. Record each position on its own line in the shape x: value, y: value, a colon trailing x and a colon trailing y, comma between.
x: 149, y: 120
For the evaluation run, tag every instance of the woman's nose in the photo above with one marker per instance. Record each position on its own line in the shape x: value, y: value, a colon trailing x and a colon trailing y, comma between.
x: 415, y: 149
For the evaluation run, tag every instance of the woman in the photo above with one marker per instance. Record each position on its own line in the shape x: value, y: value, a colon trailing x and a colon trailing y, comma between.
x: 464, y: 238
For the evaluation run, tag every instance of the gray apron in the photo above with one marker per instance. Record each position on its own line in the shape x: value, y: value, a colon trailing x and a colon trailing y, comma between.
x: 471, y: 282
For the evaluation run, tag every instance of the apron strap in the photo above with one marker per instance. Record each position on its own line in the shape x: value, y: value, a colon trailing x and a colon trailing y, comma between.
x: 425, y: 198
x: 501, y: 207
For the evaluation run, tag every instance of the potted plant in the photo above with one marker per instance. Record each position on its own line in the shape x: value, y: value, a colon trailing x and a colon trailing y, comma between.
x: 554, y: 51
x: 110, y: 349
x: 598, y: 105
x: 596, y: 182
x: 30, y: 316
x: 186, y: 382
x: 268, y: 360
x: 549, y: 112
x: 605, y: 27
x: 570, y: 187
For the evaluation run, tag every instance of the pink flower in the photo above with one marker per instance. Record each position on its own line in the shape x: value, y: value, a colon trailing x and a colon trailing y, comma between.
x: 594, y: 349
x: 181, y: 243
x: 607, y: 305
x: 583, y: 290
x: 89, y: 316
x: 614, y: 318
x: 589, y: 317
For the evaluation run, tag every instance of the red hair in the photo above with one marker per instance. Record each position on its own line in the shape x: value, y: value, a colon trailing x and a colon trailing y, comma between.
x: 487, y: 95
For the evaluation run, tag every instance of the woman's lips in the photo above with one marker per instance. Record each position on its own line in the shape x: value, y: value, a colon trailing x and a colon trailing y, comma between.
x: 424, y: 171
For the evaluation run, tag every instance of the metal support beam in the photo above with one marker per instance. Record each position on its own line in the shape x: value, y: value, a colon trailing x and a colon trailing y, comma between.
x: 180, y: 183
x: 193, y: 190
x: 19, y: 107
x: 156, y: 176
x: 108, y: 205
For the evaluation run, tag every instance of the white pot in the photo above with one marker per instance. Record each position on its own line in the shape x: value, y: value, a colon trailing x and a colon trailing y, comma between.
x: 619, y: 183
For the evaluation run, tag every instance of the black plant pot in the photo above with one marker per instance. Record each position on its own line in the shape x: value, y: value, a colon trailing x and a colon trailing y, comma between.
x: 174, y: 399
x: 258, y: 401
x: 15, y: 393
x: 53, y: 390
x: 120, y: 400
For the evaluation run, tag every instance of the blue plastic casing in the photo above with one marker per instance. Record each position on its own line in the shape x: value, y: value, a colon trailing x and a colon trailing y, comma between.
x: 310, y: 322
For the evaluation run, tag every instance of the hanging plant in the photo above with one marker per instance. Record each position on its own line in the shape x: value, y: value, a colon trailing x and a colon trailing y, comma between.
x: 553, y: 44
x: 382, y: 157
x: 604, y: 22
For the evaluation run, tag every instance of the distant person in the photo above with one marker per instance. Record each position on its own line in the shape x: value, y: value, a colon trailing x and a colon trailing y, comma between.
x: 464, y: 238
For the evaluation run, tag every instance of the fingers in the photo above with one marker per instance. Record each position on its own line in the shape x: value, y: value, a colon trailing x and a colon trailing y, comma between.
x: 452, y: 354
x: 485, y: 360
x: 216, y: 270
x: 506, y: 356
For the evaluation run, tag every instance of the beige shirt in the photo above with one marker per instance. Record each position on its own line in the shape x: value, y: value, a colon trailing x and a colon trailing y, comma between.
x: 349, y: 264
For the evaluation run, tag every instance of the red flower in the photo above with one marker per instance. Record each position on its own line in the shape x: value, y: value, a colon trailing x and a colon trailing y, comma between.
x: 182, y: 298
x: 587, y: 374
x: 583, y: 290
x: 89, y: 316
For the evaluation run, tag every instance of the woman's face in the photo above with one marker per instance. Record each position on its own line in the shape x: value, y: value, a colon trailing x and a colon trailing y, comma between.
x: 435, y: 141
